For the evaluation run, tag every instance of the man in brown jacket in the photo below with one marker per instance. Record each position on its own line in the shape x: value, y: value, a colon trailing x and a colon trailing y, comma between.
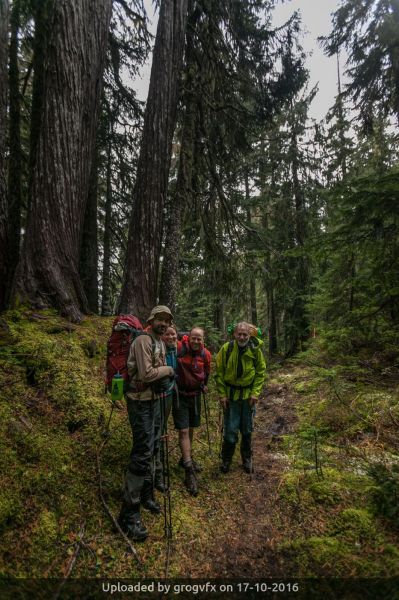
x: 149, y: 377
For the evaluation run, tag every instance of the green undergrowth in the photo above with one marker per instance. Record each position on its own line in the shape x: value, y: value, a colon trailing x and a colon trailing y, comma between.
x: 338, y: 499
x: 342, y: 488
x: 53, y: 419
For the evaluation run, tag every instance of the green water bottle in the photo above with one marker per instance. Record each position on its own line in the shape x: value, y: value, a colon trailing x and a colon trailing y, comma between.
x: 117, y: 387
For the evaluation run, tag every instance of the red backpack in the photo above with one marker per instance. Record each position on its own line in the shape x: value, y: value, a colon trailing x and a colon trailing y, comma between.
x: 125, y: 329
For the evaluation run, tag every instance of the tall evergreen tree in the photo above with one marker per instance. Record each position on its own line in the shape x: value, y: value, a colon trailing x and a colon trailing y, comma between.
x: 15, y: 160
x: 339, y: 144
x: 120, y: 131
x: 234, y: 84
x: 88, y: 255
x: 106, y: 299
x: 63, y: 143
x: 181, y: 193
x: 369, y: 30
x: 139, y: 290
x: 4, y: 247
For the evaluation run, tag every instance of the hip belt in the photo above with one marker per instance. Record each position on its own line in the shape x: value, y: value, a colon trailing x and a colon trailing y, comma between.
x: 237, y: 387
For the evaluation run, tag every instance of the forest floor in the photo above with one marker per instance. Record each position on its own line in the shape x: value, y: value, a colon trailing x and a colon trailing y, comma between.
x: 322, y: 501
x: 256, y: 527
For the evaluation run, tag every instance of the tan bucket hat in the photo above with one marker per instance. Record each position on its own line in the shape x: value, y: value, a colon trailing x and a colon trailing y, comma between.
x: 157, y: 310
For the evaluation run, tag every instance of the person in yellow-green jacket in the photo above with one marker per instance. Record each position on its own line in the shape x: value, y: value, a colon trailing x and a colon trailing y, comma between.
x: 240, y: 375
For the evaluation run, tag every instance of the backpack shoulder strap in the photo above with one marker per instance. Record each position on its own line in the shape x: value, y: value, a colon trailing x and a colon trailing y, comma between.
x: 142, y: 332
x: 229, y: 351
x: 182, y: 352
x: 153, y: 345
x: 254, y: 344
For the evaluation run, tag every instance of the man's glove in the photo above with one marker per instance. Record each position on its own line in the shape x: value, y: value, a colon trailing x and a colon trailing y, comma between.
x: 252, y: 401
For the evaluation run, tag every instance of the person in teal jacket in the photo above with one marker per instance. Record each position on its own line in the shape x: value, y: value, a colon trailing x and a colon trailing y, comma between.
x: 170, y: 340
x: 240, y: 375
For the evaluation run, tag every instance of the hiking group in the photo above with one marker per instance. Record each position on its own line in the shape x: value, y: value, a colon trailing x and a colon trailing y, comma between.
x: 164, y: 374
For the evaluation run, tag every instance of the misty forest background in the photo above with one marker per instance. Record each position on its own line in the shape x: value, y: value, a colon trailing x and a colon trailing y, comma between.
x: 219, y: 196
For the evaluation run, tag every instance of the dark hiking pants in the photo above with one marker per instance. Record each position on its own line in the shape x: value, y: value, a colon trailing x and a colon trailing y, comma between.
x: 145, y: 421
x: 239, y: 417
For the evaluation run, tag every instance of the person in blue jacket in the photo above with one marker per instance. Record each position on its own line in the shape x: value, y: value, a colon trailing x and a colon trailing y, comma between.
x: 170, y: 339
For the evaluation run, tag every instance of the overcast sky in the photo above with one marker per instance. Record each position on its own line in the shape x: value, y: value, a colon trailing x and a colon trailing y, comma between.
x: 316, y: 20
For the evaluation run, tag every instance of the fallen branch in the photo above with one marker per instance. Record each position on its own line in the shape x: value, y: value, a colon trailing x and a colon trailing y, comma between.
x: 108, y: 511
x: 72, y: 562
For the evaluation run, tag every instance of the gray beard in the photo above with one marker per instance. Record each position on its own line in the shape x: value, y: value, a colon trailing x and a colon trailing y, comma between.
x: 242, y: 344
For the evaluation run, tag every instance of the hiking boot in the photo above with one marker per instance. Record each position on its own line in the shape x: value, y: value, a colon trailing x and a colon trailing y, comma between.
x: 147, y: 499
x: 225, y: 466
x: 227, y: 456
x: 159, y: 484
x: 130, y: 522
x: 196, y: 466
x: 190, y: 481
x: 247, y: 465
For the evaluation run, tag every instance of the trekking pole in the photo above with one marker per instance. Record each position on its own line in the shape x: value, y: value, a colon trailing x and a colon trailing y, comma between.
x: 176, y: 389
x: 252, y: 447
x: 221, y: 429
x: 168, y: 525
x: 206, y: 420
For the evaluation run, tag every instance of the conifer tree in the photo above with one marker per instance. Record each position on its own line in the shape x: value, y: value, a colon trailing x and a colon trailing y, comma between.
x: 15, y: 171
x: 4, y: 244
x: 119, y: 139
x: 369, y: 30
x: 64, y: 116
x: 139, y: 289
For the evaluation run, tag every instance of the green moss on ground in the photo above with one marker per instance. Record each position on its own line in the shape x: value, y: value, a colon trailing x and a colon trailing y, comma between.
x: 339, y: 482
x: 53, y: 415
x: 337, y: 508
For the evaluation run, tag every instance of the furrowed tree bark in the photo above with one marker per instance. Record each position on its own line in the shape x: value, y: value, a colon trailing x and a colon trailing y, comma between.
x: 15, y: 159
x: 170, y: 267
x: 41, y: 38
x: 63, y: 147
x: 3, y: 136
x: 139, y: 289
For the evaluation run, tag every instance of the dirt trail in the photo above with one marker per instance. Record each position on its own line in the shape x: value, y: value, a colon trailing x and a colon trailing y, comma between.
x: 247, y: 549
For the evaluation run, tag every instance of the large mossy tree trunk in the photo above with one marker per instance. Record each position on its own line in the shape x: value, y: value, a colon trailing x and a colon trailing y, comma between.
x: 139, y: 289
x: 3, y: 136
x: 62, y: 153
x: 15, y: 159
